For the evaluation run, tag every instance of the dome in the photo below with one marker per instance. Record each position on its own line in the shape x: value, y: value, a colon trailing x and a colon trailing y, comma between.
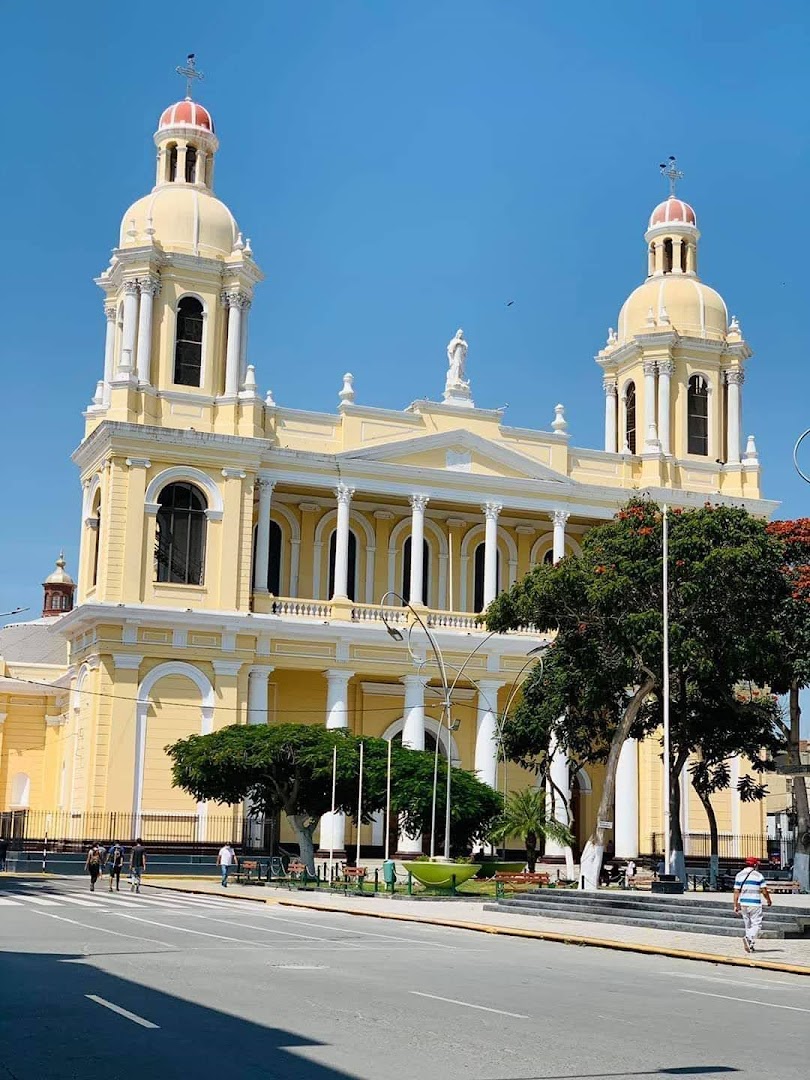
x: 186, y: 114
x: 180, y: 218
x: 59, y: 576
x: 672, y: 211
x: 679, y: 302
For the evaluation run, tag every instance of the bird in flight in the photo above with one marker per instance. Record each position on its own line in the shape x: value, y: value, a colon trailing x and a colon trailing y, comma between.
x: 509, y: 304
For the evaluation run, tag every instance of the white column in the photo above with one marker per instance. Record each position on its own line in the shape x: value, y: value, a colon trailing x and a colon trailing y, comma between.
x: 559, y: 517
x: 149, y: 289
x: 558, y: 793
x: 486, y: 732
x: 126, y: 360
x: 343, y: 495
x: 418, y: 504
x: 243, y: 342
x: 734, y: 381
x: 413, y: 737
x: 257, y: 694
x: 263, y: 534
x: 491, y: 510
x: 665, y: 371
x: 611, y: 410
x: 233, y: 302
x: 333, y: 826
x: 625, y: 814
x: 650, y: 367
x: 109, y: 343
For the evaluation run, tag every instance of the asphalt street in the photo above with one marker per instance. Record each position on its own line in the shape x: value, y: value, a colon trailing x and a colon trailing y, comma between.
x: 167, y: 985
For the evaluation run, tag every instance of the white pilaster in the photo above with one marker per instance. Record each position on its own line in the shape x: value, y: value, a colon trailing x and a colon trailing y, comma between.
x: 233, y: 302
x: 665, y: 371
x: 263, y: 534
x: 344, y: 495
x: 486, y: 731
x: 257, y: 694
x: 130, y: 330
x: 148, y: 288
x: 418, y: 504
x: 734, y: 381
x: 625, y: 814
x: 650, y: 368
x: 413, y: 737
x: 559, y: 518
x: 243, y: 342
x: 333, y: 826
x: 109, y: 350
x: 558, y: 794
x: 491, y: 511
x: 611, y: 410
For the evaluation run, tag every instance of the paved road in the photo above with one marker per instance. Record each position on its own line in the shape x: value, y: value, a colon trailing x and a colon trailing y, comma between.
x: 166, y: 985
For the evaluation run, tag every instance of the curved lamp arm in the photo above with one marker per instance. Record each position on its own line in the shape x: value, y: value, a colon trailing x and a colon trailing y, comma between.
x: 799, y: 442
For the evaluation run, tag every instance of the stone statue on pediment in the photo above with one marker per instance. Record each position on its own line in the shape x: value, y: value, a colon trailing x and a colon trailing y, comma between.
x: 457, y: 386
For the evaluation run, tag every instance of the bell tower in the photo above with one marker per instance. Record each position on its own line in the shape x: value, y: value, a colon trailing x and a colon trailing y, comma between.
x: 177, y: 292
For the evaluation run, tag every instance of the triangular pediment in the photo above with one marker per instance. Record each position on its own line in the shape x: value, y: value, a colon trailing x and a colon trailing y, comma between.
x: 458, y: 451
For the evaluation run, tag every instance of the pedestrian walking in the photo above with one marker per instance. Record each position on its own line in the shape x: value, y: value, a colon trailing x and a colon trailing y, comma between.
x: 3, y: 852
x: 225, y: 860
x: 749, y: 890
x: 629, y: 874
x: 137, y: 865
x: 102, y: 851
x: 92, y: 865
x: 115, y: 863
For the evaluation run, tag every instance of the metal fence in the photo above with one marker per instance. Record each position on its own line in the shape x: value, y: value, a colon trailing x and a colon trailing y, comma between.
x: 732, y: 847
x: 193, y: 834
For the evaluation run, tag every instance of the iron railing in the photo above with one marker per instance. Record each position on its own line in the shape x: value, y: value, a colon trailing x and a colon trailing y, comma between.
x: 732, y: 847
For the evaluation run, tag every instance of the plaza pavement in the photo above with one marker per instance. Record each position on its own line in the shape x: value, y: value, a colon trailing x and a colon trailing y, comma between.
x: 775, y: 954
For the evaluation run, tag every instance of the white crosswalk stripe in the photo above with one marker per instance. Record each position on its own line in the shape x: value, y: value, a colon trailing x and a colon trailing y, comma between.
x: 41, y: 900
x: 107, y: 903
x: 9, y: 903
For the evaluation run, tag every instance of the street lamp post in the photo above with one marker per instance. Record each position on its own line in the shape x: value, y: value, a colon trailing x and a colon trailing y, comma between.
x: 14, y: 611
x: 796, y: 465
x: 447, y: 691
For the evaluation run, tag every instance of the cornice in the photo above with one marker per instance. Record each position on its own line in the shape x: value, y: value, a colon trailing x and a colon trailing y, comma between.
x: 425, y: 406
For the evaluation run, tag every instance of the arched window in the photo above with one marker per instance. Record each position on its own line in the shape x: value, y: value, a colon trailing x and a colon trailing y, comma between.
x: 698, y: 416
x: 180, y: 544
x: 191, y: 163
x: 95, y: 539
x: 684, y: 256
x: 188, y: 342
x: 352, y: 575
x: 630, y: 417
x: 273, y: 560
x: 668, y: 256
x: 20, y: 789
x: 548, y: 558
x: 406, y: 570
x: 478, y: 570
x: 171, y: 170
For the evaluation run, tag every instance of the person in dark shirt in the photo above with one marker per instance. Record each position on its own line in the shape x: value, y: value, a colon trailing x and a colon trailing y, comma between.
x: 137, y: 865
x: 92, y: 865
x: 3, y: 852
x: 115, y: 861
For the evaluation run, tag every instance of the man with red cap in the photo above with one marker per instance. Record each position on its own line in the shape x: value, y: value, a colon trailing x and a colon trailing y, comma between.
x: 749, y: 889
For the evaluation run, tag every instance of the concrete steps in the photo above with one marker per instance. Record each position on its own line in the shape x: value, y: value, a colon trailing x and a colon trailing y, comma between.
x: 678, y: 913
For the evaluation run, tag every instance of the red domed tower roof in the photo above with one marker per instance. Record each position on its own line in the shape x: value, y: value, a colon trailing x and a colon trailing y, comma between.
x: 187, y: 113
x: 673, y: 211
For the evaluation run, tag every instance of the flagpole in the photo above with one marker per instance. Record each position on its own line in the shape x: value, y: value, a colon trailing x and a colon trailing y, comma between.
x: 332, y: 817
x: 360, y: 804
x: 388, y: 802
x: 667, y: 816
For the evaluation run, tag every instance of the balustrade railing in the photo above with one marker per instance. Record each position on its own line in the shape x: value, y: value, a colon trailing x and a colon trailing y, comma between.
x: 302, y: 609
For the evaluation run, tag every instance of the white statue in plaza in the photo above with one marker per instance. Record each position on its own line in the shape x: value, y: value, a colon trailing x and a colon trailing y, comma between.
x: 457, y: 360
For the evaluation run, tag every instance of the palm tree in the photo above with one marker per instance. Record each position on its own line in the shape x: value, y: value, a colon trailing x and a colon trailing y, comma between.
x: 525, y: 814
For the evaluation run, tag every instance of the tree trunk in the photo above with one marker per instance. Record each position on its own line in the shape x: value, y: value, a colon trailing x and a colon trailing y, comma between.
x: 714, y: 842
x: 801, y: 855
x: 678, y: 860
x: 591, y: 859
x: 304, y: 834
x: 531, y: 851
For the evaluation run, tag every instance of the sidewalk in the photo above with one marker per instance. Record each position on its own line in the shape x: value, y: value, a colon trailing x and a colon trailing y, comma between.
x: 776, y: 955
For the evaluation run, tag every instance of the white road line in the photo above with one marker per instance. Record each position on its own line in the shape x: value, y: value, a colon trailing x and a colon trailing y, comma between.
x: 77, y: 900
x: 252, y: 926
x: 187, y: 930
x: 746, y: 1001
x: 363, y: 933
x: 103, y: 930
x: 123, y: 1012
x: 469, y: 1005
x: 727, y: 979
x: 40, y: 900
x: 10, y: 903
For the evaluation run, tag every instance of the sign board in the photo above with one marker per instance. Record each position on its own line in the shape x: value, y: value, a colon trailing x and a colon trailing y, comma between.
x: 604, y: 824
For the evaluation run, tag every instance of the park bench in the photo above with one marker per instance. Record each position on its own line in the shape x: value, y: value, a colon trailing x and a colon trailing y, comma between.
x: 642, y: 879
x: 782, y: 886
x: 504, y: 878
x: 349, y: 875
x: 248, y: 872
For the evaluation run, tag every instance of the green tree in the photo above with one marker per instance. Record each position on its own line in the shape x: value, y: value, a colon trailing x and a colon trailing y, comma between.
x: 604, y: 672
x: 288, y: 768
x: 791, y: 673
x: 525, y: 814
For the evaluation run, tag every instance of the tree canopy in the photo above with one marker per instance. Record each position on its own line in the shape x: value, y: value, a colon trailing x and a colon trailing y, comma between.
x: 288, y: 768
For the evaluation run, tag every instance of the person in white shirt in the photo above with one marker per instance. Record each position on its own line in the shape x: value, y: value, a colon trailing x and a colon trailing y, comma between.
x: 225, y: 860
x: 629, y: 874
x: 749, y: 889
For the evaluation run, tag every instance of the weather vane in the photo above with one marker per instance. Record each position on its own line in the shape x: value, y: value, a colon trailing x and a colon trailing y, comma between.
x: 190, y: 73
x: 668, y: 169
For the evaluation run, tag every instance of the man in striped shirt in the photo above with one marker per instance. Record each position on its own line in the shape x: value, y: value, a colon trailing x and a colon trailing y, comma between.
x: 749, y: 889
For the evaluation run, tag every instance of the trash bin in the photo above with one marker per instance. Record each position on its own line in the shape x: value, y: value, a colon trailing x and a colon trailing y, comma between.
x: 389, y: 873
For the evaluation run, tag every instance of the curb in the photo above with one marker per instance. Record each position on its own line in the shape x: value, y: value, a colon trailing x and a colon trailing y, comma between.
x: 537, y: 935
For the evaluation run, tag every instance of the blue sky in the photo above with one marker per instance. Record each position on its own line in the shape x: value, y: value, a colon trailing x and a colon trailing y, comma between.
x: 404, y: 169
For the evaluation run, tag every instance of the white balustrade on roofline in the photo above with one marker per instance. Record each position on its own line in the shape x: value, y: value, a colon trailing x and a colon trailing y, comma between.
x: 291, y: 608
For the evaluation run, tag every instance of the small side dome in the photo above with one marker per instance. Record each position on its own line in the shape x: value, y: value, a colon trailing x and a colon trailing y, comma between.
x: 672, y: 302
x: 180, y: 218
x: 59, y: 576
x: 672, y: 211
x: 187, y: 114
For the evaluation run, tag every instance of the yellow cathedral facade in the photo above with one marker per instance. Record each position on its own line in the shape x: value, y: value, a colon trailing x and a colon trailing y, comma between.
x: 240, y: 561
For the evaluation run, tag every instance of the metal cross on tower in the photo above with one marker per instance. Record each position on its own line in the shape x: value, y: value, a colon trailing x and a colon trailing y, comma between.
x: 669, y: 170
x: 190, y: 73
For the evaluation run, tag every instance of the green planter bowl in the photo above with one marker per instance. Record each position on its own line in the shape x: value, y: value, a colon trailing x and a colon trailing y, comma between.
x: 439, y: 875
x: 490, y: 869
